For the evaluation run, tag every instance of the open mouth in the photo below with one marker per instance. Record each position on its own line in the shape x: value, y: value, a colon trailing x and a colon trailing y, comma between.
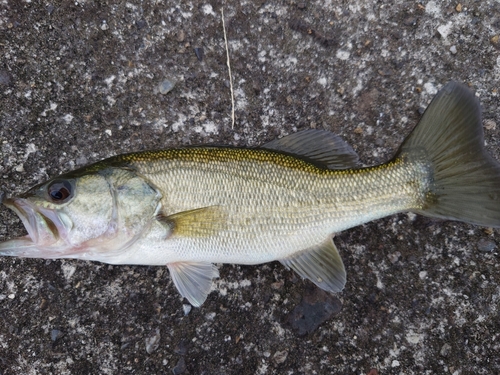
x: 45, y: 229
x: 41, y: 230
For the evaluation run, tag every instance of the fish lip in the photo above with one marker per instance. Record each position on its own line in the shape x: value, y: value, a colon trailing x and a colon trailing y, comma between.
x: 42, y: 224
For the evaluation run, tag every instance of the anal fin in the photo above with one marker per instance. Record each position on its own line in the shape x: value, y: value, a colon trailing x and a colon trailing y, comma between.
x: 193, y: 280
x: 321, y: 264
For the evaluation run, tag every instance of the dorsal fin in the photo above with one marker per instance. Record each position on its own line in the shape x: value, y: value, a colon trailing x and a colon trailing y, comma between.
x: 320, y: 146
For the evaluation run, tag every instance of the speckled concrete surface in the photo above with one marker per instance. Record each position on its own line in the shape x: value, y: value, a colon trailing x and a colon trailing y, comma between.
x: 82, y: 80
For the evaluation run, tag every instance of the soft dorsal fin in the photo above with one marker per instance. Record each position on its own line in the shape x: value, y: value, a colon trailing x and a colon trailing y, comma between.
x: 193, y: 280
x: 321, y: 264
x: 321, y: 146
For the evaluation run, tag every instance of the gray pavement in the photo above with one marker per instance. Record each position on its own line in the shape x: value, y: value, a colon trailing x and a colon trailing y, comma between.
x: 84, y: 80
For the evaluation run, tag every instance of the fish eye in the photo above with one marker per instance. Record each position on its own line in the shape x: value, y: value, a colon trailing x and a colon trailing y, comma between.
x: 60, y: 191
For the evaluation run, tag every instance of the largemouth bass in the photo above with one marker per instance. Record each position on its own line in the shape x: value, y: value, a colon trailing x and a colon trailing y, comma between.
x: 191, y: 207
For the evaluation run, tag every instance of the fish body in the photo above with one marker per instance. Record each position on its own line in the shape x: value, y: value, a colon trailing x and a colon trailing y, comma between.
x: 191, y: 207
x: 256, y: 206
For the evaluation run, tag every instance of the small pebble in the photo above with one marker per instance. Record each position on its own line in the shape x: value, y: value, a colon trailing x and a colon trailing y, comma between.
x: 55, y: 334
x: 181, y: 36
x: 186, y: 308
x: 104, y: 25
x: 315, y: 308
x: 277, y: 285
x: 125, y: 345
x: 153, y: 341
x: 182, y: 348
x: 385, y: 72
x: 81, y: 160
x: 166, y: 86
x: 445, y: 350
x: 4, y: 78
x: 490, y: 124
x: 453, y: 50
x: 486, y: 245
x: 210, y: 316
x: 394, y: 257
x: 199, y: 52
x: 395, y: 363
x: 495, y: 41
x: 280, y: 357
x: 180, y: 367
x: 141, y: 24
x: 410, y: 21
x: 488, y: 231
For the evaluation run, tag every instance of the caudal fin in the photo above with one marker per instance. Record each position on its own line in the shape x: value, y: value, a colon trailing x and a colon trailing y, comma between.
x: 466, y: 180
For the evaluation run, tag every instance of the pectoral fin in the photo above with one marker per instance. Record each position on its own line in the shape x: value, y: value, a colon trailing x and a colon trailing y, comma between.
x: 193, y: 280
x: 200, y: 222
x: 320, y: 264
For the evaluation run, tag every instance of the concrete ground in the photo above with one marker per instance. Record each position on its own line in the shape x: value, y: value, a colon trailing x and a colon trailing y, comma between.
x: 84, y: 80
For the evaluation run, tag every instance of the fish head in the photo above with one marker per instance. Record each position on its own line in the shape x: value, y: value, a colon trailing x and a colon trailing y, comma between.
x: 91, y: 215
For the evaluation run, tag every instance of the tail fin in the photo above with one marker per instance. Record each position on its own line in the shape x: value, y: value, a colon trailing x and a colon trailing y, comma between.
x: 466, y: 180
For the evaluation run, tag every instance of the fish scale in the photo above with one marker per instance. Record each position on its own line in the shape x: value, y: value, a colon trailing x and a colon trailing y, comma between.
x: 281, y: 199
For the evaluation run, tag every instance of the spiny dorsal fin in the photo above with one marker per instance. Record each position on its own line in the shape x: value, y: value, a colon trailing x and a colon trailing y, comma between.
x: 320, y: 146
x: 321, y: 264
x: 200, y: 222
x: 193, y: 280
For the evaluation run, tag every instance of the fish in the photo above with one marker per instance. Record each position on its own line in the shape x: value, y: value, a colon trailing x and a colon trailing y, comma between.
x: 191, y: 208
